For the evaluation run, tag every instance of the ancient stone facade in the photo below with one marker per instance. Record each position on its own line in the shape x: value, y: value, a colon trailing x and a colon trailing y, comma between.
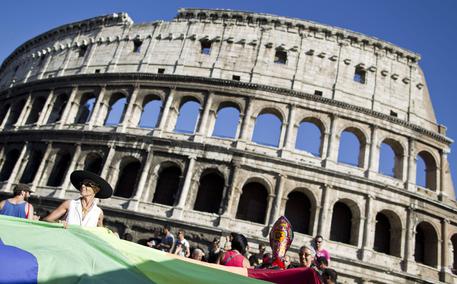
x: 58, y: 91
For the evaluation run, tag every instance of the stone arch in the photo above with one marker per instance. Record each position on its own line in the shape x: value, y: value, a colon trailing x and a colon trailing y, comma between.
x: 86, y: 107
x: 8, y: 164
x: 388, y: 231
x: 391, y: 156
x: 93, y: 163
x: 58, y: 108
x: 129, y: 173
x: 34, y: 160
x: 310, y: 136
x: 62, y: 162
x: 227, y: 120
x: 426, y: 244
x: 151, y: 111
x: 268, y: 127
x: 116, y: 109
x: 298, y: 210
x: 16, y: 110
x: 253, y: 202
x: 344, y: 226
x: 352, y: 145
x: 188, y: 115
x: 210, y: 191
x: 168, y: 183
x: 430, y: 170
x: 37, y: 108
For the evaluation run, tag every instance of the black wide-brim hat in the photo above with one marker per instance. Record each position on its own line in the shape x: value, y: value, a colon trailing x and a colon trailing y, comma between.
x: 77, y: 177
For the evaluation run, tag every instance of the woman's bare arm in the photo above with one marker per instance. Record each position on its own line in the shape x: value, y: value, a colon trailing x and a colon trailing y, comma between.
x: 58, y: 212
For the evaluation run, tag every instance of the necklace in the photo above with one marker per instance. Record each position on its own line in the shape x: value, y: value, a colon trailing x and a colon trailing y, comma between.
x: 85, y: 209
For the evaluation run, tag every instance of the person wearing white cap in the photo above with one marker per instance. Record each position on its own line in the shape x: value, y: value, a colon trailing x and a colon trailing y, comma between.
x: 84, y: 210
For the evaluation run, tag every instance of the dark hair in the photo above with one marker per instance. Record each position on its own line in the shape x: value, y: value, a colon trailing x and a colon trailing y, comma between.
x: 240, y: 243
x: 321, y: 260
x: 329, y: 273
x: 168, y: 227
x: 128, y: 237
x: 19, y: 188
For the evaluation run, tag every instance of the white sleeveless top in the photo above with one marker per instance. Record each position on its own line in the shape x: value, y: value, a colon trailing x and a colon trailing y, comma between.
x: 75, y: 215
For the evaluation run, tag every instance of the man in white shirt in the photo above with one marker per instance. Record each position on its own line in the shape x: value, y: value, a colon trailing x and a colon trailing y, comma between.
x: 182, y: 246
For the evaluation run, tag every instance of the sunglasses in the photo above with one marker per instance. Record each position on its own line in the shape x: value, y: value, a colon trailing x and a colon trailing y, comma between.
x: 88, y: 184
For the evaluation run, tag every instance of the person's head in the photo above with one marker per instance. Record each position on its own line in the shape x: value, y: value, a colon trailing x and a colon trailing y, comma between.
x: 128, y: 237
x: 197, y: 254
x: 88, y: 188
x: 166, y: 229
x: 254, y: 260
x: 22, y: 191
x: 267, y: 259
x: 232, y: 235
x: 318, y: 241
x: 321, y: 262
x: 329, y: 276
x: 306, y: 255
x: 262, y: 248
x: 215, y: 244
x: 286, y: 261
x: 181, y: 235
x: 239, y: 243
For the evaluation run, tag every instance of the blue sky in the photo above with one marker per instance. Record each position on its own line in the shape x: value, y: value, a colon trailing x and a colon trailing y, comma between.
x: 427, y: 27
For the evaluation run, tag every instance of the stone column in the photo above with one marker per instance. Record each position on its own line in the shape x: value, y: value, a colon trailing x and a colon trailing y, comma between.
x: 409, y: 263
x: 271, y: 198
x: 165, y: 113
x: 325, y: 211
x: 108, y: 161
x: 67, y: 56
x: 71, y: 168
x: 25, y: 111
x: 443, y: 186
x: 373, y: 155
x: 6, y: 117
x: 90, y: 54
x: 245, y: 131
x: 368, y: 230
x: 69, y: 109
x: 100, y: 110
x: 280, y: 181
x: 177, y: 211
x: 128, y: 115
x: 445, y: 273
x: 202, y: 128
x: 134, y: 202
x: 48, y: 106
x: 227, y: 214
x: 332, y: 144
x: 288, y: 143
x: 15, y: 170
x: 411, y: 177
x: 43, y: 165
x: 121, y: 42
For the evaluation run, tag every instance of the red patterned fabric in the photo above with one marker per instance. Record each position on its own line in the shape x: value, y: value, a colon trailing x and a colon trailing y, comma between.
x: 301, y: 275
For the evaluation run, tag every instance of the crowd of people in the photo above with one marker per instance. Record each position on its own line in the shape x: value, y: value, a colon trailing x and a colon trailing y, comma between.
x: 231, y: 251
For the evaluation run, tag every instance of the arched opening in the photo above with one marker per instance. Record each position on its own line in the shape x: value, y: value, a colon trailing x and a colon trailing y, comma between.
x: 128, y: 179
x: 391, y: 159
x: 167, y: 187
x: 351, y: 148
x: 4, y: 112
x: 34, y: 161
x: 37, y: 108
x: 210, y: 189
x: 267, y: 130
x: 227, y: 119
x: 253, y: 203
x: 93, y: 163
x: 454, y: 253
x: 58, y: 108
x: 151, y: 112
x: 86, y: 107
x: 341, y: 228
x: 298, y: 211
x: 15, y: 113
x: 61, y: 163
x: 188, y: 117
x: 116, y: 110
x: 8, y: 164
x: 426, y: 246
x: 426, y: 170
x: 309, y: 138
x: 382, y: 234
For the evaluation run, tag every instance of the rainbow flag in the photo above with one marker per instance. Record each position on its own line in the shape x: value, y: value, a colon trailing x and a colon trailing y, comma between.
x: 39, y: 252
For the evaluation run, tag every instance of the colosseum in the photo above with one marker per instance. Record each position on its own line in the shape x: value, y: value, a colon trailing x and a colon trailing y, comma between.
x: 107, y: 95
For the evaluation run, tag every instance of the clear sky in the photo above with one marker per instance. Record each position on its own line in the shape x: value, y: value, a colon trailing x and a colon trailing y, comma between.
x: 427, y: 27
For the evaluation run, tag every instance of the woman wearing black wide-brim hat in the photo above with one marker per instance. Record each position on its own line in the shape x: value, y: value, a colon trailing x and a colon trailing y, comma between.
x: 84, y: 210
